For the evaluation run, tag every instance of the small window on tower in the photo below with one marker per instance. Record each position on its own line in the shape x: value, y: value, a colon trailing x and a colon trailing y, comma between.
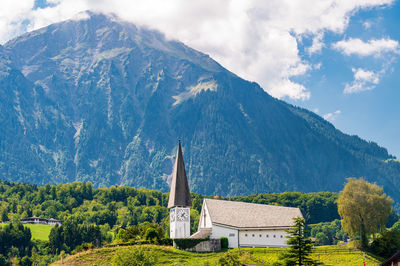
x: 253, y: 235
x: 274, y: 236
x: 260, y: 235
x: 267, y: 235
x: 281, y: 236
x: 245, y: 235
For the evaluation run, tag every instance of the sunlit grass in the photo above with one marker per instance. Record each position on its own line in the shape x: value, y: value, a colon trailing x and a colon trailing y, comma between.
x: 40, y: 231
x: 328, y: 255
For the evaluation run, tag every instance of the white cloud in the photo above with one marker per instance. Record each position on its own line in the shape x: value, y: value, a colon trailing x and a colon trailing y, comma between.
x: 367, y: 25
x: 13, y: 15
x: 332, y: 116
x: 372, y: 47
x: 317, y: 66
x: 363, y: 80
x: 317, y: 44
x: 256, y: 39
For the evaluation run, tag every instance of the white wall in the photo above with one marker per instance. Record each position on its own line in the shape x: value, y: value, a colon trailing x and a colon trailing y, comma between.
x: 252, y: 238
x: 180, y: 229
x: 245, y: 238
x: 231, y: 234
x: 204, y: 223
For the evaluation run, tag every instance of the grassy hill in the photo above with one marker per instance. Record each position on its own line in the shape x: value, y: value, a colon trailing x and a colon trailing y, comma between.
x: 328, y: 255
x: 40, y: 231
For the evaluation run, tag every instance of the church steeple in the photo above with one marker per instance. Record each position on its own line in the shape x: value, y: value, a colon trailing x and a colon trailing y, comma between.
x: 179, y: 195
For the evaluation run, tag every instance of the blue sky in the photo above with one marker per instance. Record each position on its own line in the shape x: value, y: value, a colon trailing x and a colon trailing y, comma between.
x: 373, y: 114
x: 339, y: 58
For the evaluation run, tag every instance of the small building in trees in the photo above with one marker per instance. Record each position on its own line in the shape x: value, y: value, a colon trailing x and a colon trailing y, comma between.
x: 53, y: 221
x: 34, y: 220
x: 38, y: 220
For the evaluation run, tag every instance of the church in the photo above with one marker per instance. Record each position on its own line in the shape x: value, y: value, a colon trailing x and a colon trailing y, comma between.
x: 244, y: 224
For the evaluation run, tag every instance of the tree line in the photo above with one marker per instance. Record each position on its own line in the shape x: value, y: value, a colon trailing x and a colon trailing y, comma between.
x: 89, y: 215
x: 122, y: 205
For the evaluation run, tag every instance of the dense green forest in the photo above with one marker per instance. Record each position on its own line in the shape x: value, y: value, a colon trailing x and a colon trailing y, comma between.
x: 125, y: 205
x: 93, y: 217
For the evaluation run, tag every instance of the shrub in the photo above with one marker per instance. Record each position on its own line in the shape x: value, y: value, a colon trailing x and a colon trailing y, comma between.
x: 230, y: 258
x: 151, y: 235
x: 224, y: 242
x: 166, y: 241
x: 186, y: 243
x: 83, y: 247
x: 136, y: 256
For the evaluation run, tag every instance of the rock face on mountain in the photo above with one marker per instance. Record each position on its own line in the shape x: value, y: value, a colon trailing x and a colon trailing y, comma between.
x: 101, y: 100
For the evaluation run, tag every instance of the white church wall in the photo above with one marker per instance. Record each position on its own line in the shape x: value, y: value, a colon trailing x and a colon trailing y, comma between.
x: 263, y: 238
x: 205, y: 221
x: 231, y: 234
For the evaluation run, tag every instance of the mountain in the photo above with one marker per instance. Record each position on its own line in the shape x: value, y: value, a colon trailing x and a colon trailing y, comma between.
x: 99, y: 99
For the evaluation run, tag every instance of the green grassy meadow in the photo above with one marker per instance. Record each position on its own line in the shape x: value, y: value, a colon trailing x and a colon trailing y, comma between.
x: 40, y: 231
x: 328, y: 255
x: 165, y: 255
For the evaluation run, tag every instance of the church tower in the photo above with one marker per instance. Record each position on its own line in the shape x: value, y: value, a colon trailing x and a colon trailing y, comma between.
x: 179, y: 200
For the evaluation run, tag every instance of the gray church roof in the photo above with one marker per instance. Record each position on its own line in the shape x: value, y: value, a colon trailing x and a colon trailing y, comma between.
x: 180, y: 193
x: 250, y: 215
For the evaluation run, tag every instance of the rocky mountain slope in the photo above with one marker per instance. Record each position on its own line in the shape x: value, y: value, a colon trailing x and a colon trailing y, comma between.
x: 104, y: 101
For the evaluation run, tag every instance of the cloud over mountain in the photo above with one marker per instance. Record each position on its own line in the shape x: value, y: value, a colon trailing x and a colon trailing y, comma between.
x: 258, y: 40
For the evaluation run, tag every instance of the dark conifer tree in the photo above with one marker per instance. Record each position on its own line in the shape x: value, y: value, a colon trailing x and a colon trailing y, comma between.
x: 300, y: 246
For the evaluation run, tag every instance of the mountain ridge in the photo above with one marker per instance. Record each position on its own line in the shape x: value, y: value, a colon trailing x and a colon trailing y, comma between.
x: 109, y: 100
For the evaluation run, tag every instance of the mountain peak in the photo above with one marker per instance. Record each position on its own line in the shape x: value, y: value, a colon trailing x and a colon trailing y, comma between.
x: 96, y: 16
x: 103, y: 100
x: 95, y: 35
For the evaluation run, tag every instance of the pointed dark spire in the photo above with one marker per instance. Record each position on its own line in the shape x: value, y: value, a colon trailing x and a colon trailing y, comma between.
x: 180, y: 193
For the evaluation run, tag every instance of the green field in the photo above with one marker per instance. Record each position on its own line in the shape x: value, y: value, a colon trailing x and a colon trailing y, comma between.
x: 40, y: 231
x: 329, y: 255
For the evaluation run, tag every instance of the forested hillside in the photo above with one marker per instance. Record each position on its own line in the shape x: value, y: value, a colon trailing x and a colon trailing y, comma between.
x: 104, y: 101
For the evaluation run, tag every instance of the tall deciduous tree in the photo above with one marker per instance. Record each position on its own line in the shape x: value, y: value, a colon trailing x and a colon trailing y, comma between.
x: 364, y: 209
x: 300, y: 246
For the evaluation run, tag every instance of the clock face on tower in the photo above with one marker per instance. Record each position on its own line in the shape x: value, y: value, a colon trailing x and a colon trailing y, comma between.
x: 183, y: 215
x: 172, y: 215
